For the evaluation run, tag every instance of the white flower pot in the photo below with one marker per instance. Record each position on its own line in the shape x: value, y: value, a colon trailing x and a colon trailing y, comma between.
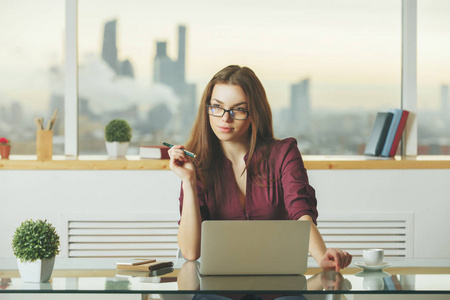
x: 36, y: 271
x: 116, y: 149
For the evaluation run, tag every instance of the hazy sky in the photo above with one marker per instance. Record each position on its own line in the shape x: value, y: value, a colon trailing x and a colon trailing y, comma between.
x: 283, y: 41
x: 350, y: 49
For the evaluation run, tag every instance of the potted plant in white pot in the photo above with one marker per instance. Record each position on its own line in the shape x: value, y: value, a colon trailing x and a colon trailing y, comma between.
x: 35, y: 244
x: 117, y: 137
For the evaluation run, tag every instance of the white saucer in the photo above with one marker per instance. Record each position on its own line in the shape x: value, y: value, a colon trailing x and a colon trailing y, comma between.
x: 372, y: 268
x: 373, y: 274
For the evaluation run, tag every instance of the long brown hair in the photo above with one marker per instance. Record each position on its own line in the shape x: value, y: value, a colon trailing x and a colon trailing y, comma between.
x: 206, y: 145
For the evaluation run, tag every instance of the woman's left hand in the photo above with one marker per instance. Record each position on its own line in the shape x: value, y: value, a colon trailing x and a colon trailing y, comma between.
x: 335, y: 259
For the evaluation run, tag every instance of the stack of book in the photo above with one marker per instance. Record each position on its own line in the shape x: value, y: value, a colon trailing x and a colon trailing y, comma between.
x: 386, y: 133
x: 154, y: 152
x: 143, y: 268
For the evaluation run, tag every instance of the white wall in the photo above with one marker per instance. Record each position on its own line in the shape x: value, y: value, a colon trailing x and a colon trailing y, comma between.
x: 52, y: 194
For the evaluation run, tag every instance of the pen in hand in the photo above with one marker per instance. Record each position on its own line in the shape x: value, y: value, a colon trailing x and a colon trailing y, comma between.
x: 188, y: 153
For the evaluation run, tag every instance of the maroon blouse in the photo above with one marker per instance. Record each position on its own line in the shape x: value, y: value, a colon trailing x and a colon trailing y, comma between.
x: 288, y: 197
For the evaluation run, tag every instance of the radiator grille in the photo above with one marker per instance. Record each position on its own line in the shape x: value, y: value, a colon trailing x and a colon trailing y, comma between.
x: 103, y: 237
x: 156, y: 236
x: 353, y: 233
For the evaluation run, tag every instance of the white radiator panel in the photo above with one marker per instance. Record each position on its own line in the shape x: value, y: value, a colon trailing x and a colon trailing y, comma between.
x: 122, y: 231
x: 121, y: 246
x: 156, y: 235
x: 157, y: 254
x: 355, y: 232
x: 133, y: 236
x: 131, y: 239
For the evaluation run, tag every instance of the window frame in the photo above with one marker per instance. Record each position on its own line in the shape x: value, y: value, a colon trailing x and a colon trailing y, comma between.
x: 409, y: 75
x: 71, y: 80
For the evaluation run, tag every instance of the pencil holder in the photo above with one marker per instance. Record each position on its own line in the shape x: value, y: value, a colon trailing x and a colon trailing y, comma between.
x: 44, y: 144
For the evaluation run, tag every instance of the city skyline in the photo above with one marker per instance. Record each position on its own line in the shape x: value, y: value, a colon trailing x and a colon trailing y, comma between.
x: 322, y: 90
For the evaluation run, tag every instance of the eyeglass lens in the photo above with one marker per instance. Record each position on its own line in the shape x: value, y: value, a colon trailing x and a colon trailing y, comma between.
x: 234, y: 113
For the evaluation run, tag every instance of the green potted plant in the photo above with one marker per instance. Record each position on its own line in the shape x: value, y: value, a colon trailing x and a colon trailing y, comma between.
x: 35, y: 244
x: 117, y: 137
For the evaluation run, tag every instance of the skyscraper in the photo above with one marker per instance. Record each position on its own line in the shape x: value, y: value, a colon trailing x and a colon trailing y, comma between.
x: 300, y: 110
x: 164, y: 69
x: 445, y: 101
x: 173, y: 73
x: 445, y: 111
x: 181, y: 61
x: 110, y: 52
x: 126, y: 68
x: 109, y: 49
x: 168, y: 71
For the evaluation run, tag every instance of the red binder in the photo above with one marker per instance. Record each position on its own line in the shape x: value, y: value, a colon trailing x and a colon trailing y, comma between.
x: 399, y: 132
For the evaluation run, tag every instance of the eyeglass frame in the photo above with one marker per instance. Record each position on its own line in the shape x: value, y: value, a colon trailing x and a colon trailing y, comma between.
x: 230, y: 111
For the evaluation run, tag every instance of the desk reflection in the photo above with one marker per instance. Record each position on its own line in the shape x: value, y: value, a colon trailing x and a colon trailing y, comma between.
x: 328, y: 281
x: 373, y: 280
x: 189, y: 279
x: 4, y: 283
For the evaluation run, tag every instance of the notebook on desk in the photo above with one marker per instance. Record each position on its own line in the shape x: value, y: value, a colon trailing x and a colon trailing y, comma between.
x: 254, y: 247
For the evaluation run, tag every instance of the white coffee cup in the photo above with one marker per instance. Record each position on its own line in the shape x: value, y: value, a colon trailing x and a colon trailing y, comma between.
x: 373, y: 283
x: 373, y: 257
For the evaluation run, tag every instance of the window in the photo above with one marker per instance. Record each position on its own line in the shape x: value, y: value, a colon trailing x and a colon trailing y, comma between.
x: 327, y: 66
x: 433, y: 77
x: 31, y: 73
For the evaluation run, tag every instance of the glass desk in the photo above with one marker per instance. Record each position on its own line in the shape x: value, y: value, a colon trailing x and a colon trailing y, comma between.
x: 186, y: 280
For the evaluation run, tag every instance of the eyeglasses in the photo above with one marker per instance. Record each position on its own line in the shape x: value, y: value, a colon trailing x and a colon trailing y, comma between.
x: 235, y: 113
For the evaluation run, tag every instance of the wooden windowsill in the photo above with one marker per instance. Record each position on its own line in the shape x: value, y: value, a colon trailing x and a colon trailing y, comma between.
x: 312, y: 162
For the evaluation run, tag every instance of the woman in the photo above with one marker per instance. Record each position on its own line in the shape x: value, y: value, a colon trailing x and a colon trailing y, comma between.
x: 241, y: 171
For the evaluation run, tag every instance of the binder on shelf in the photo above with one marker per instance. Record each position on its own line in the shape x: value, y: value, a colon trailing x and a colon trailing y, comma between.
x: 399, y: 132
x: 397, y: 283
x: 397, y: 114
x: 389, y: 284
x: 378, y: 134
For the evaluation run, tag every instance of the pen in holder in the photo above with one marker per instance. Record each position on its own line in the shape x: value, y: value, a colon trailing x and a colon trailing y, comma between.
x: 44, y: 144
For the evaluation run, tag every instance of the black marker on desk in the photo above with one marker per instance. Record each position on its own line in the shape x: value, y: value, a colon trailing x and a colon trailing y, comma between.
x: 185, y: 151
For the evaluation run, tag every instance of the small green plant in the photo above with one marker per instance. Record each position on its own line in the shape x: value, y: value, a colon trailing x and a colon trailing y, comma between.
x: 35, y: 240
x: 118, y: 131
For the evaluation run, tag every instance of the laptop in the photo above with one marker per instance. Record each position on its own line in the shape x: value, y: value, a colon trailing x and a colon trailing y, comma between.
x: 280, y: 283
x: 254, y: 247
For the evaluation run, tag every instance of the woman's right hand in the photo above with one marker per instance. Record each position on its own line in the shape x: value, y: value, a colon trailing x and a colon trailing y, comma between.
x: 180, y: 163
